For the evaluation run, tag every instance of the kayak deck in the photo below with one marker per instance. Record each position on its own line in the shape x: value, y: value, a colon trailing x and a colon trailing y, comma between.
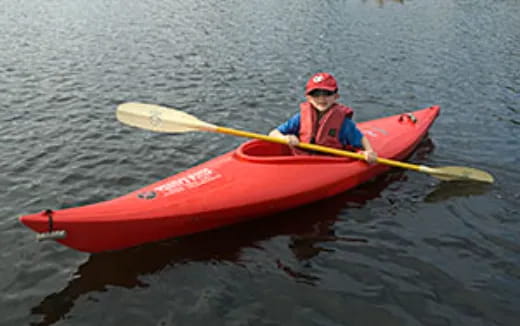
x: 256, y: 179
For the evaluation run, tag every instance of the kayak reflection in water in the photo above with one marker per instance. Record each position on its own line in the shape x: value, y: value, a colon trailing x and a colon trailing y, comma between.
x: 323, y: 121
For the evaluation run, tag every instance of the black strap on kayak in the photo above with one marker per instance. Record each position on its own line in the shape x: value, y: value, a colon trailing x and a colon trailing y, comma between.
x: 51, y: 234
x: 49, y: 212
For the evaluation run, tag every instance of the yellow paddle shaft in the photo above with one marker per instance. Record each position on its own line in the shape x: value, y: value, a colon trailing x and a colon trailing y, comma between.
x: 319, y: 148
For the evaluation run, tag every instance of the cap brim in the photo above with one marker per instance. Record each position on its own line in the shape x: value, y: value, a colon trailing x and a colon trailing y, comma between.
x: 332, y: 89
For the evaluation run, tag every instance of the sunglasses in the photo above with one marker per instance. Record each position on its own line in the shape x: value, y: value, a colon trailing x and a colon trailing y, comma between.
x: 321, y: 92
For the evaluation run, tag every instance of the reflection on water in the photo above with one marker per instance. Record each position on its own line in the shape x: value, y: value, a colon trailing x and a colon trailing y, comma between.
x: 449, y: 190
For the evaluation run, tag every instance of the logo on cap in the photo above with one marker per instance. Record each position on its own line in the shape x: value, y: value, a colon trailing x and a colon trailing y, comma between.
x: 318, y: 79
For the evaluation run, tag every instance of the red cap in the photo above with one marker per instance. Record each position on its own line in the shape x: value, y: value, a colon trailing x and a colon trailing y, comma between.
x: 321, y: 80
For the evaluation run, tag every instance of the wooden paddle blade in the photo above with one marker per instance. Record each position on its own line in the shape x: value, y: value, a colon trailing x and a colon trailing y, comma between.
x: 160, y: 119
x: 459, y: 173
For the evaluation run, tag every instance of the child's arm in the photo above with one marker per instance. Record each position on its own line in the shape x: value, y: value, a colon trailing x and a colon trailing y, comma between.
x: 351, y: 135
x: 289, y: 129
x: 370, y: 155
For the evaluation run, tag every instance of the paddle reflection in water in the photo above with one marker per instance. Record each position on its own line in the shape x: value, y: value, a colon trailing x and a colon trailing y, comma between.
x: 444, y: 191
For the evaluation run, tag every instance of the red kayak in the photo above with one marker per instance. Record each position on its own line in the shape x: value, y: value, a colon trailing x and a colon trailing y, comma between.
x: 256, y: 179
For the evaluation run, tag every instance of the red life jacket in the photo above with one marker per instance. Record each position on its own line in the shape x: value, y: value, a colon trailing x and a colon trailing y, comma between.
x: 324, y: 132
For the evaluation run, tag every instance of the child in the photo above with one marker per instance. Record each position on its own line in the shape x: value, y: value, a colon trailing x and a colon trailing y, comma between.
x: 322, y: 121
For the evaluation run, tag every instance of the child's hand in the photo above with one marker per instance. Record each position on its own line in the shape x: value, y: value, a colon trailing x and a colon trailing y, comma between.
x: 370, y: 156
x: 292, y: 140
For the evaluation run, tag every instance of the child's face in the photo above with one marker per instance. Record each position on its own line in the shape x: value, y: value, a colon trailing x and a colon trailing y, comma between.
x: 322, y: 100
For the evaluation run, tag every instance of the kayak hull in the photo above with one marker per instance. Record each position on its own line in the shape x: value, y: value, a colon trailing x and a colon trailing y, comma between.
x: 256, y: 179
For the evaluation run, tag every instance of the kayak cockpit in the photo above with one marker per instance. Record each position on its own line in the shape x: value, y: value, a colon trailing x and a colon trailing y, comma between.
x: 266, y: 152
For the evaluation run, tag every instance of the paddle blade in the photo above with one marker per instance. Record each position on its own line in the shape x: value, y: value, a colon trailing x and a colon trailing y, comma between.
x: 160, y: 119
x: 459, y: 173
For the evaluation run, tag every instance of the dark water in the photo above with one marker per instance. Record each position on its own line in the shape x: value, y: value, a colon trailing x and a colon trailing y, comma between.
x: 404, y: 249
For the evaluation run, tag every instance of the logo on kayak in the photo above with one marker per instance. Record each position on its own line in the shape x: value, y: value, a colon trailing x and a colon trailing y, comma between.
x: 374, y: 131
x: 147, y: 195
x: 190, y: 181
x: 155, y: 118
